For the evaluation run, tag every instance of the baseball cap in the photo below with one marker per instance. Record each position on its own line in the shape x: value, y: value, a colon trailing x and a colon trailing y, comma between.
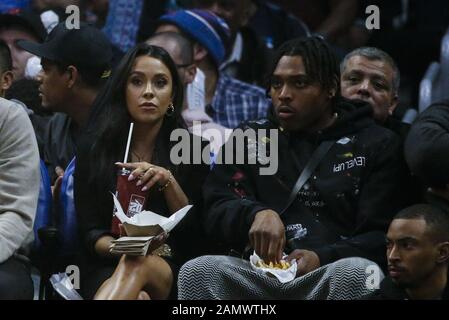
x: 85, y: 48
x: 28, y: 20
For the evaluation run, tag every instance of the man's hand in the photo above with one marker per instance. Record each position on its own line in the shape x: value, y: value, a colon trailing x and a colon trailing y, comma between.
x: 56, y: 188
x: 307, y: 261
x: 267, y: 236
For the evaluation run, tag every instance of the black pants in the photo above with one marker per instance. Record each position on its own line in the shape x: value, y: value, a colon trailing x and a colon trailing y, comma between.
x: 15, y: 280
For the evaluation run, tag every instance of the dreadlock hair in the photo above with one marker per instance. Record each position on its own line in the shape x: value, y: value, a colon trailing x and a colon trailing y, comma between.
x: 319, y: 60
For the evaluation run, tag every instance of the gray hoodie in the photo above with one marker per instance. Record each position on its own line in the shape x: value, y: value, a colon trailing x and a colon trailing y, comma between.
x: 19, y: 178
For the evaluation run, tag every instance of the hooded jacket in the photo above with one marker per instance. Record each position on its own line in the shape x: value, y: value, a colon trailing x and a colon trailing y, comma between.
x: 345, y: 207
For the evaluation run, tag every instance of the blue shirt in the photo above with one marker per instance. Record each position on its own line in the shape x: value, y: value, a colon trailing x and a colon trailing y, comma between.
x: 236, y: 101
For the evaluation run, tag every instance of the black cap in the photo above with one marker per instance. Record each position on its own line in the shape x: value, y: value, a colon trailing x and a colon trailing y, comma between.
x: 86, y: 47
x: 28, y: 20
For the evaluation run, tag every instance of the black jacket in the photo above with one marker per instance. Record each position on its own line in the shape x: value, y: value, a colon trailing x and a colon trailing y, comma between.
x: 390, y: 291
x: 347, y: 204
x: 60, y: 143
x: 437, y: 201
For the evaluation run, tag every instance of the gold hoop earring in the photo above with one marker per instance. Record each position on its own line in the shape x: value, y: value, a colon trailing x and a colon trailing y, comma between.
x: 170, y: 110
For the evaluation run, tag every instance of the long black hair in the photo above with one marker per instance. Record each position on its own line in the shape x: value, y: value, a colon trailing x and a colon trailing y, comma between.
x: 109, y: 123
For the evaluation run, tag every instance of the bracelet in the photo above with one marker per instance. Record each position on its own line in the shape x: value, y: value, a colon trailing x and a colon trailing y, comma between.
x: 170, y: 178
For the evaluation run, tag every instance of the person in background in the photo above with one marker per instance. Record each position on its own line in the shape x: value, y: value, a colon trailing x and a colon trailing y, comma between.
x: 427, y: 153
x: 227, y: 100
x: 23, y: 26
x: 180, y: 49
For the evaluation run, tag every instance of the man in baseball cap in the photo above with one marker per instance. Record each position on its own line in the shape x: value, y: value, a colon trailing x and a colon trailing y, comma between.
x: 75, y: 65
x: 24, y: 25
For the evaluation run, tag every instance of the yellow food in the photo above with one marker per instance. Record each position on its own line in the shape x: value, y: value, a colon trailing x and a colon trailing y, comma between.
x: 283, y: 265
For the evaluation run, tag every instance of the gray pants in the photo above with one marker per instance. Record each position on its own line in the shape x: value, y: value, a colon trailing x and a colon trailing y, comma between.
x: 223, y: 277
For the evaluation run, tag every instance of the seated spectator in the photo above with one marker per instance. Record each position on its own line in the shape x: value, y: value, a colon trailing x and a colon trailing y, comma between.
x: 23, y: 26
x: 371, y: 75
x: 180, y: 50
x: 76, y: 63
x: 340, y: 206
x: 24, y: 92
x: 330, y: 18
x: 247, y: 55
x: 19, y: 191
x: 227, y: 100
x: 274, y: 24
x: 418, y: 256
x: 145, y: 90
x: 427, y: 153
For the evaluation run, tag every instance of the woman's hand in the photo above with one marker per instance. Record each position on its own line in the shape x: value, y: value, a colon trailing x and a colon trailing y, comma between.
x: 156, y: 242
x: 122, y: 230
x: 147, y: 174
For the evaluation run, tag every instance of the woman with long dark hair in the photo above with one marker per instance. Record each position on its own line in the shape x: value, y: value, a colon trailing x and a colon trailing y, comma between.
x: 144, y: 89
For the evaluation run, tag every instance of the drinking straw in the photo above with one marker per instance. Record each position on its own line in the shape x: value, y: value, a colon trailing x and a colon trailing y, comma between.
x: 131, y: 127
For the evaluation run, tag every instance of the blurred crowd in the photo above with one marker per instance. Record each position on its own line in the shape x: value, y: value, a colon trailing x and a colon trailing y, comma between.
x: 362, y: 176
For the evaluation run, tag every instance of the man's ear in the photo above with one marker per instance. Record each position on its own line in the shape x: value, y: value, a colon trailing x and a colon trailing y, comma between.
x: 335, y: 87
x: 199, y: 52
x: 6, y: 80
x: 393, y: 105
x: 443, y: 252
x: 190, y: 73
x: 73, y: 75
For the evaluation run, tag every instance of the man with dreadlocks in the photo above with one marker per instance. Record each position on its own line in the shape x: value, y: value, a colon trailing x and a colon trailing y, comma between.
x: 329, y: 204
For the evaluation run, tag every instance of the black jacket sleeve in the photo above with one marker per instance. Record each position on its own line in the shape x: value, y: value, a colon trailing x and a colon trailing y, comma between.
x: 231, y: 201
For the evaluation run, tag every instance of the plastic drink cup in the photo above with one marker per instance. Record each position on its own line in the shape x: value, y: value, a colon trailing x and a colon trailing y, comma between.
x: 131, y: 198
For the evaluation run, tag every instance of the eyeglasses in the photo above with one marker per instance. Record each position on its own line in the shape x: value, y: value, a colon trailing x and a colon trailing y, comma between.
x: 183, y: 65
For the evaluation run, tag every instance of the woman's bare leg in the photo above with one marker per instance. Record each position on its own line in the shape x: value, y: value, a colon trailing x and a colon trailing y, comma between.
x: 136, y: 274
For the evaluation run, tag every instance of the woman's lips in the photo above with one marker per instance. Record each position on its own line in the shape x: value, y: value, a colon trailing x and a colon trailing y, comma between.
x: 148, y: 106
